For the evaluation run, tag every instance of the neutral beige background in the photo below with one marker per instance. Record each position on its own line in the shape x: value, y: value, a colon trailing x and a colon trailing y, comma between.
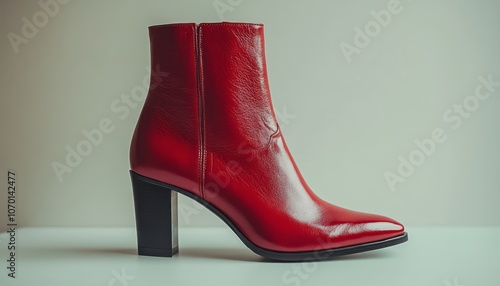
x: 347, y: 122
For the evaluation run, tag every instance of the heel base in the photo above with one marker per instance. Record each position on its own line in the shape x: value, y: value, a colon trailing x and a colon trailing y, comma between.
x: 146, y: 251
x: 156, y: 218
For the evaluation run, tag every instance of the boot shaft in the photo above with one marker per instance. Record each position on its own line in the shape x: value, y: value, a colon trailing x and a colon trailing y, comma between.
x: 237, y: 107
x: 212, y: 97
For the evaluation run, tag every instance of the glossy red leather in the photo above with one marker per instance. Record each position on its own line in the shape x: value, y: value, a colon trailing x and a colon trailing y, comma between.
x: 209, y: 128
x: 166, y: 142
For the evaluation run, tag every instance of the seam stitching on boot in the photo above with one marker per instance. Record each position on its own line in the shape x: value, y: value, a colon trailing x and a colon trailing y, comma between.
x: 199, y: 33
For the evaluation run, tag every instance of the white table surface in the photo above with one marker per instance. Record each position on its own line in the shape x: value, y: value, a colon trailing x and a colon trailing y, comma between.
x: 215, y: 256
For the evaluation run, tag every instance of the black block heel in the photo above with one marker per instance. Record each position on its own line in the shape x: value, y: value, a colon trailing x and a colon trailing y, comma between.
x: 155, y: 217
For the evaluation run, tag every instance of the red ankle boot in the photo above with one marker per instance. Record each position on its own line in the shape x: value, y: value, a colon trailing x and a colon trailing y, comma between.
x: 208, y: 131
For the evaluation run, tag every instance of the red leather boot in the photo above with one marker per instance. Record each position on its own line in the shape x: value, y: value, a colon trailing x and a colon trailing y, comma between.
x: 208, y: 131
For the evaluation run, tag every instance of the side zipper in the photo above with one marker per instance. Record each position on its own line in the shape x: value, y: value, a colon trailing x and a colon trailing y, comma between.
x: 201, y: 115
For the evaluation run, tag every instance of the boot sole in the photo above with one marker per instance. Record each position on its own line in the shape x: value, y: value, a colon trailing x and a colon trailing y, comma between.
x: 155, y: 205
